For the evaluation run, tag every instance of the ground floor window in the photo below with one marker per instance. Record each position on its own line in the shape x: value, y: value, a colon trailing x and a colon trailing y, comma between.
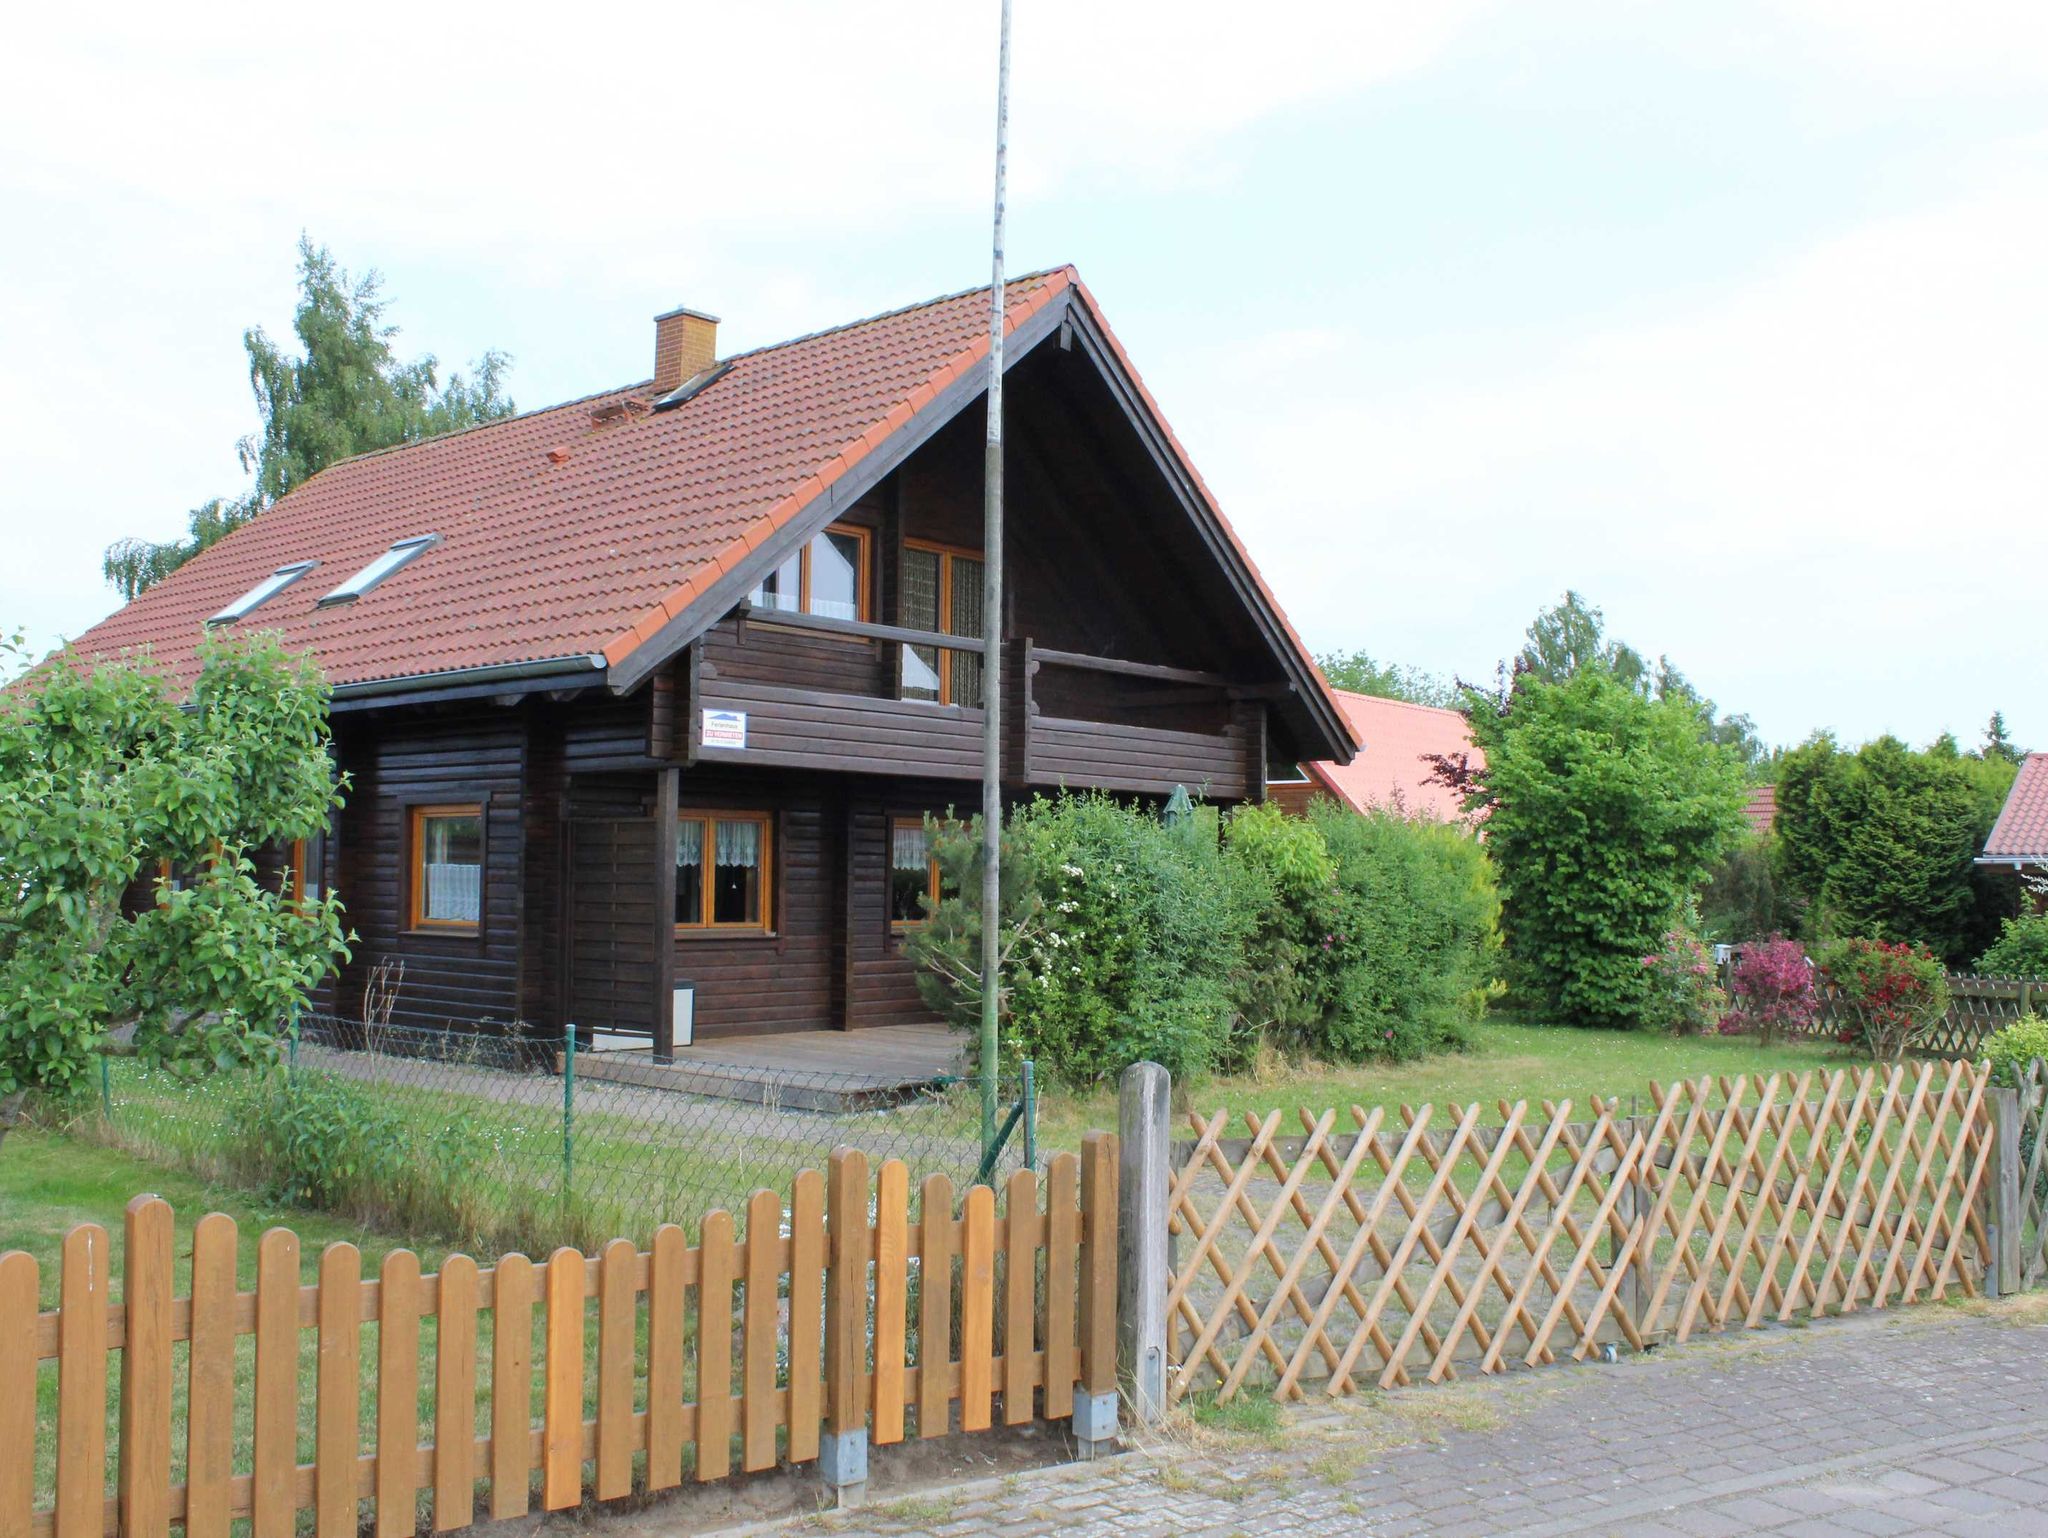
x: 447, y: 867
x: 723, y: 861
x: 913, y: 872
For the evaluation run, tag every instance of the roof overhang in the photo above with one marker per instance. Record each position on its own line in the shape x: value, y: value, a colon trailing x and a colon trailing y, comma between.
x: 576, y: 670
x: 1071, y: 314
x: 739, y: 578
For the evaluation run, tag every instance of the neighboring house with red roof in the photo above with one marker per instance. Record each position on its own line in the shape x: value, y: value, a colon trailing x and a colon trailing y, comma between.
x: 1394, y: 766
x: 2019, y: 839
x: 1762, y: 809
x: 650, y: 691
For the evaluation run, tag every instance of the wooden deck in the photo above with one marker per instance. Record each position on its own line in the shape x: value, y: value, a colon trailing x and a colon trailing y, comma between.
x: 805, y: 1070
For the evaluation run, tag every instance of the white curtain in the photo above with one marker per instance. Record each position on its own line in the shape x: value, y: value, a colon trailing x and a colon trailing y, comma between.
x: 739, y: 844
x: 689, y: 845
x: 909, y: 848
x: 455, y: 893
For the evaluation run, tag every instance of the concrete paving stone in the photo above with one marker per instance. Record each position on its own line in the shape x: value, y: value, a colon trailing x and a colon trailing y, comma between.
x: 1705, y: 1523
x: 1875, y: 1523
x: 1894, y: 1424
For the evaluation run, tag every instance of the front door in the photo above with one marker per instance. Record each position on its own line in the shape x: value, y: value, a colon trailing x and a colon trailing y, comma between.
x: 611, y: 925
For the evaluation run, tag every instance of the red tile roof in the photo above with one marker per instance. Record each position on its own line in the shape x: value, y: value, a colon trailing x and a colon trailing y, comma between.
x: 2021, y: 832
x: 561, y: 536
x: 1392, y: 768
x: 1762, y: 809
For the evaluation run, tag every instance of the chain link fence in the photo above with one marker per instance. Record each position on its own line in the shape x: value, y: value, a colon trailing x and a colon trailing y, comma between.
x: 498, y: 1139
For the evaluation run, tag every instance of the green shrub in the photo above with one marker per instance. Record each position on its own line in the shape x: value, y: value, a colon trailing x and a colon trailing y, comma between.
x: 1288, y: 990
x: 2021, y: 949
x: 1139, y: 929
x: 1607, y: 809
x: 319, y: 1141
x: 1420, y: 905
x: 2013, y: 1048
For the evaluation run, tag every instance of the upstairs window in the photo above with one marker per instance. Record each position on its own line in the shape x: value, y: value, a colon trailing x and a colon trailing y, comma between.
x: 942, y: 591
x: 263, y: 592
x: 828, y: 577
x: 447, y: 867
x: 723, y: 861
x: 399, y: 555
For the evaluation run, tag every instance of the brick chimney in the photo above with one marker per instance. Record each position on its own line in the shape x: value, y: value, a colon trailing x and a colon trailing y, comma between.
x: 685, y: 344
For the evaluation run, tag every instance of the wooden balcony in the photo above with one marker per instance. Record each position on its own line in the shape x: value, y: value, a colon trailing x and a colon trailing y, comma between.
x: 1073, y: 720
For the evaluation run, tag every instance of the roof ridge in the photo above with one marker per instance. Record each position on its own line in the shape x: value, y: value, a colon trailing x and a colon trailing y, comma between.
x: 648, y: 384
x: 891, y: 314
x: 1388, y: 699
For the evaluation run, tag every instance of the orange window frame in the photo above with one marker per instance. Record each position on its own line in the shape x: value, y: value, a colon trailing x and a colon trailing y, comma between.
x: 704, y: 924
x: 947, y: 555
x: 864, y: 601
x: 416, y: 820
x: 931, y: 872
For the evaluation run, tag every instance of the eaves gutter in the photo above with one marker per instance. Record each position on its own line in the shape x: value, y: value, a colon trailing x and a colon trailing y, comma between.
x: 585, y: 666
x: 2017, y: 862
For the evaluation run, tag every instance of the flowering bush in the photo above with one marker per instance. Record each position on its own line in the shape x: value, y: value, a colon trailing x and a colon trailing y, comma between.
x: 1772, y: 986
x: 1894, y: 992
x: 1684, y: 998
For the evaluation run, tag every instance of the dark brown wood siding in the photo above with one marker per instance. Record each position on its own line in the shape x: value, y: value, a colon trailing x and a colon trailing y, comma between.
x: 805, y: 728
x: 395, y: 763
x: 780, y: 981
x: 1096, y: 753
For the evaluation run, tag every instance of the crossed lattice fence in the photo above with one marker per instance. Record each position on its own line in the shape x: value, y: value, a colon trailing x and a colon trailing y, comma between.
x: 1419, y: 1244
x: 1978, y: 1008
x: 2032, y: 1160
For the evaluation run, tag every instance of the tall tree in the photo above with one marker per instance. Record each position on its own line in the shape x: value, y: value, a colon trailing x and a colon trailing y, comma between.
x: 1606, y: 811
x: 345, y: 393
x: 1571, y: 635
x: 1358, y: 672
x: 1879, y: 843
x: 1997, y: 744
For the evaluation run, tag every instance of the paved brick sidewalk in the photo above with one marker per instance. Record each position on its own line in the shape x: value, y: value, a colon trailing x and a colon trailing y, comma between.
x: 1924, y: 1421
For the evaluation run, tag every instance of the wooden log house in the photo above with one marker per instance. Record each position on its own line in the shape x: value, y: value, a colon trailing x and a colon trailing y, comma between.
x: 642, y: 698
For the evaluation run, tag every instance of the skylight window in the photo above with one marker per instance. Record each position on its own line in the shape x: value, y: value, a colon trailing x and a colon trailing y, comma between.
x: 390, y: 561
x: 263, y: 592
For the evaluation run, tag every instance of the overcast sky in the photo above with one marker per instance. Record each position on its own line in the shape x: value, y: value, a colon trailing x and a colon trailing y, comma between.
x: 1732, y: 314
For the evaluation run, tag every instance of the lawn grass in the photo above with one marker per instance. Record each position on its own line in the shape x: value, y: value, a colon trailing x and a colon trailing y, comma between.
x: 1507, y: 1061
x: 50, y: 1183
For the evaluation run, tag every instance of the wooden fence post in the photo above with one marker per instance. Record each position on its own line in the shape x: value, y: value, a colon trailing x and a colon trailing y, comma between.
x: 1143, y: 1180
x: 2005, y: 1275
x: 1096, y: 1405
x: 843, y: 1459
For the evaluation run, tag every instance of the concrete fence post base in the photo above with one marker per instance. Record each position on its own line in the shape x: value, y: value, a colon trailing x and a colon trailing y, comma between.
x: 843, y: 1467
x: 1095, y: 1417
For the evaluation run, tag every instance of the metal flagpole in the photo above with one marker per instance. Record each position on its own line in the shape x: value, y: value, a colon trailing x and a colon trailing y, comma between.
x: 992, y: 628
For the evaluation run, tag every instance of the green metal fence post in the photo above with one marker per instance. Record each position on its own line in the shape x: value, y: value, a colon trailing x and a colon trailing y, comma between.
x: 292, y: 1052
x: 106, y: 1088
x: 568, y: 1114
x: 1030, y: 1118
